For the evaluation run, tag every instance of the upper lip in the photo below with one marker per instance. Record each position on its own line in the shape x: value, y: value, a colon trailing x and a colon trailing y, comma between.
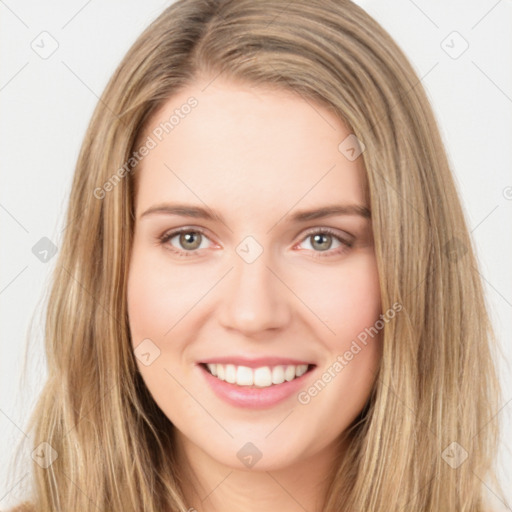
x: 255, y: 362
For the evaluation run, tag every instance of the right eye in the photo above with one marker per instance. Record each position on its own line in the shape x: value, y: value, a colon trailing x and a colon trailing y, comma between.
x: 189, y: 241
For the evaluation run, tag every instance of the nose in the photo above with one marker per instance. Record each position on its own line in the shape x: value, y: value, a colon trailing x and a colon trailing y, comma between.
x: 254, y: 299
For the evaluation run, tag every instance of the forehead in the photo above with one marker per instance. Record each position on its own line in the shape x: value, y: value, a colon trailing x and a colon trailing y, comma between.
x: 246, y: 149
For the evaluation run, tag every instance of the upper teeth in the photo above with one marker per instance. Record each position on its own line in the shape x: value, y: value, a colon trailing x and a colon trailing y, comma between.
x: 262, y: 377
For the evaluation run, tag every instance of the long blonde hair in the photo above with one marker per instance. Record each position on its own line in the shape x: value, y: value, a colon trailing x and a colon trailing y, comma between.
x: 433, y: 398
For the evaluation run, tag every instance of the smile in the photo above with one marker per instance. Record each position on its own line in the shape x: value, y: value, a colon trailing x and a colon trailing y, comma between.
x: 256, y: 384
x: 261, y: 377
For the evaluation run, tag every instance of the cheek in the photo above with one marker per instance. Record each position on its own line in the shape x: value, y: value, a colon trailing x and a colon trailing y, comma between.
x: 155, y: 308
x: 348, y: 302
x: 347, y: 373
x: 355, y: 348
x: 157, y: 298
x: 347, y: 299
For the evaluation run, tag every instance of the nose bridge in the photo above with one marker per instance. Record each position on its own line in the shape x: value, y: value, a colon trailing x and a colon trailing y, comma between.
x: 254, y: 299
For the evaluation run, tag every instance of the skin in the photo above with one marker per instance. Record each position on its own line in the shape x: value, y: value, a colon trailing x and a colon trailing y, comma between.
x: 255, y: 156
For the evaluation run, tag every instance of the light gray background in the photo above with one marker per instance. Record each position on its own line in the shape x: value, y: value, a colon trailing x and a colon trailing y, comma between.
x: 46, y: 104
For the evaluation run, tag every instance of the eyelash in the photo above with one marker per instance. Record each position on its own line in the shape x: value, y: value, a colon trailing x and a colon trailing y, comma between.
x: 346, y: 245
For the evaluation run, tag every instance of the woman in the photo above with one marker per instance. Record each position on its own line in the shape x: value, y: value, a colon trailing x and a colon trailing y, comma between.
x: 266, y: 298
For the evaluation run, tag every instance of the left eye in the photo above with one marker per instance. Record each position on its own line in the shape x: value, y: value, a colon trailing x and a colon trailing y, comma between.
x: 322, y: 240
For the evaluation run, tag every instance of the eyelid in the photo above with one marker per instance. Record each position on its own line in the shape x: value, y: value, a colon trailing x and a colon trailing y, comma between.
x: 331, y: 231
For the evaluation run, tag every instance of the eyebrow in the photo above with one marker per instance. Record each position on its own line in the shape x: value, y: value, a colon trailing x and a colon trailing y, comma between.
x: 198, y: 212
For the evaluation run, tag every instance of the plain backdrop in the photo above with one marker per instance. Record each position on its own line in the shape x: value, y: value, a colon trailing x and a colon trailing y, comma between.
x: 56, y: 58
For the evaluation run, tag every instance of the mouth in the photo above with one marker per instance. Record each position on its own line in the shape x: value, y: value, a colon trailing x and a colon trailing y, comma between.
x: 257, y: 377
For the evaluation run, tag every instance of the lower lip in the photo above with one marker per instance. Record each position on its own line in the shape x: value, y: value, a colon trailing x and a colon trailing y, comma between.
x: 254, y: 398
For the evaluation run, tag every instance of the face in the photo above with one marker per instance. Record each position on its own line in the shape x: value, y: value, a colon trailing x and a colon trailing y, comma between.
x: 243, y: 303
